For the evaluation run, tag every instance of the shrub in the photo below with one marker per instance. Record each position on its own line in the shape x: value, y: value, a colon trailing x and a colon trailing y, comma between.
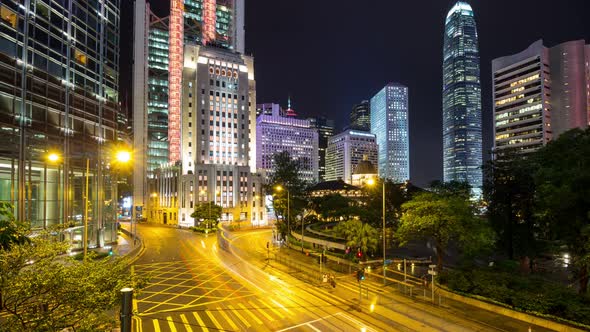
x: 525, y: 293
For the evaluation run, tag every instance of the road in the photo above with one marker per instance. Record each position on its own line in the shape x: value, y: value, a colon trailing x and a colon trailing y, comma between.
x: 196, y: 286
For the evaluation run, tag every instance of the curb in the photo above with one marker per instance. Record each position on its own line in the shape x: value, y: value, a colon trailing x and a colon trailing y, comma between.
x: 135, y: 253
x: 546, y: 323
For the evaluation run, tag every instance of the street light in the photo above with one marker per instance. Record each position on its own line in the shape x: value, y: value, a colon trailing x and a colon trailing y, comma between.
x: 371, y: 182
x: 121, y: 156
x: 280, y: 188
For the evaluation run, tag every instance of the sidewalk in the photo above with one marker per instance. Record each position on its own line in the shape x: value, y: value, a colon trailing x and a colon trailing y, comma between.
x: 125, y: 245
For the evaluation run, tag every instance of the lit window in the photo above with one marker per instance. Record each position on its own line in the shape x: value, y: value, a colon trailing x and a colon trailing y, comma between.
x: 80, y: 57
x: 8, y: 16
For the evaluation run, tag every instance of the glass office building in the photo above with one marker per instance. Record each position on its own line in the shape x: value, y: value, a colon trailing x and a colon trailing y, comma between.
x: 462, y: 134
x: 390, y: 125
x: 325, y: 128
x: 360, y: 116
x: 157, y: 101
x: 59, y: 82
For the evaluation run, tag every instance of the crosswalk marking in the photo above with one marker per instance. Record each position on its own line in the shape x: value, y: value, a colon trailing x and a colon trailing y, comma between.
x: 185, y: 322
x: 227, y: 319
x: 214, y: 320
x: 237, y: 313
x: 171, y: 324
x: 156, y: 325
x: 269, y: 317
x: 273, y: 309
x: 201, y: 323
x: 249, y: 313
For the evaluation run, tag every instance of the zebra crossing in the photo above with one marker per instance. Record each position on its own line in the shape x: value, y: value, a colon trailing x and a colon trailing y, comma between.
x: 255, y: 314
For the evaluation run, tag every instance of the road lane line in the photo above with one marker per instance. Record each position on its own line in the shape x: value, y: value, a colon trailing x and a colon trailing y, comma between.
x: 313, y: 328
x: 269, y: 317
x: 278, y: 313
x: 156, y: 325
x: 282, y: 306
x: 250, y: 314
x: 215, y: 322
x: 171, y: 324
x: 237, y: 313
x: 227, y: 319
x: 306, y: 323
x: 201, y: 323
x: 185, y: 322
x: 355, y: 322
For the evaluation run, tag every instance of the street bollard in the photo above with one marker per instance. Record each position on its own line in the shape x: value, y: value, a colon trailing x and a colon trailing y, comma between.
x: 126, y: 309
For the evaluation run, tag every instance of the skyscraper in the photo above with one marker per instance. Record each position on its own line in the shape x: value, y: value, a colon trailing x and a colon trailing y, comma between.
x: 276, y: 133
x: 59, y: 95
x: 360, y: 116
x: 198, y: 100
x: 462, y: 135
x: 325, y: 128
x: 390, y: 124
x: 157, y: 103
x: 540, y: 93
x: 345, y: 151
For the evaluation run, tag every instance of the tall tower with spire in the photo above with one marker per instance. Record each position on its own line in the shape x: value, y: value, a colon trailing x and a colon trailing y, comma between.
x: 462, y: 133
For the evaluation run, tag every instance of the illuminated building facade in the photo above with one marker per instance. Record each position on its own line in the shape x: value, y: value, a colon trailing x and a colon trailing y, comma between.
x: 360, y: 116
x: 60, y: 95
x: 157, y: 103
x: 346, y: 151
x: 216, y: 23
x: 390, y: 125
x: 462, y: 133
x: 325, y: 128
x: 276, y: 133
x: 539, y: 93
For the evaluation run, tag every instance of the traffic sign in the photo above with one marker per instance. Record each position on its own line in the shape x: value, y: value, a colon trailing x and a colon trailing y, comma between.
x: 432, y: 266
x: 432, y: 272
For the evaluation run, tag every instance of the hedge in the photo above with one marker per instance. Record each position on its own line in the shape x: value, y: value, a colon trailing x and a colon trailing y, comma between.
x: 525, y: 293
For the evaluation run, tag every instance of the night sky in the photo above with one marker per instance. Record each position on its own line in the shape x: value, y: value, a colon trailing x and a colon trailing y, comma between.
x: 329, y: 55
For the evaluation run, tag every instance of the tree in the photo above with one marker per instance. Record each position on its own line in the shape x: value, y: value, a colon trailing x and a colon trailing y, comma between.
x: 442, y: 218
x: 509, y: 193
x: 11, y: 231
x: 44, y: 290
x: 208, y: 211
x: 333, y: 207
x: 562, y: 196
x: 395, y: 195
x: 359, y: 235
x: 286, y: 174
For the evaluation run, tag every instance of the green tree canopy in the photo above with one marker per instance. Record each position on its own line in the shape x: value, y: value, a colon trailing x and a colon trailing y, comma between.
x: 443, y: 218
x: 359, y: 235
x: 11, y: 231
x: 286, y: 176
x: 509, y: 193
x: 396, y: 194
x: 562, y: 196
x: 333, y: 207
x: 43, y: 289
x: 208, y: 211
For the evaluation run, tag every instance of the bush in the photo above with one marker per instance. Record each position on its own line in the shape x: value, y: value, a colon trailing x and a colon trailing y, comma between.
x: 202, y: 229
x: 524, y: 293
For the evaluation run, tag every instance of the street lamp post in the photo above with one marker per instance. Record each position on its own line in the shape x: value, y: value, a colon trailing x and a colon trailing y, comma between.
x: 121, y: 156
x: 371, y: 182
x: 280, y: 188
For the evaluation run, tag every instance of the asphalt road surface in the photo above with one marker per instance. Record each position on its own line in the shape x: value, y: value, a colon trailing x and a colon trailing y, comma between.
x: 196, y: 285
